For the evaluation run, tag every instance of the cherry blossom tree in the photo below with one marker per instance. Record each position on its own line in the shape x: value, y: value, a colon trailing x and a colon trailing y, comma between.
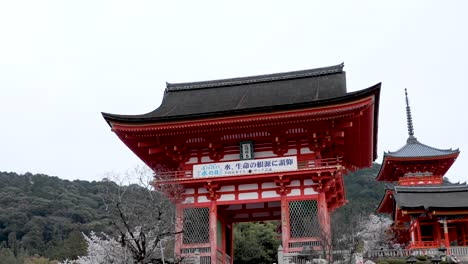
x: 141, y: 217
x: 374, y: 232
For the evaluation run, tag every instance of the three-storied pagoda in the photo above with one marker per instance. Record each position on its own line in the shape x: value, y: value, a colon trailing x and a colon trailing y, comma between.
x: 427, y: 212
x: 259, y: 148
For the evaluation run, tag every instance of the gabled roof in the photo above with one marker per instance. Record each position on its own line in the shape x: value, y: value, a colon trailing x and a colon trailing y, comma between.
x: 415, y: 149
x: 431, y: 197
x: 244, y: 95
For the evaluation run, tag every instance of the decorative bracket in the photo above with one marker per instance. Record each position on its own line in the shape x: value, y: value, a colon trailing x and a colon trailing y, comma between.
x: 178, y: 153
x: 215, y: 151
x: 283, y: 185
x: 280, y: 146
x: 212, y: 191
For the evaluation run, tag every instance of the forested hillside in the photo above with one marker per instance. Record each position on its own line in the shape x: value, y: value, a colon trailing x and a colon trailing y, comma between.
x: 45, y: 215
x: 363, y: 193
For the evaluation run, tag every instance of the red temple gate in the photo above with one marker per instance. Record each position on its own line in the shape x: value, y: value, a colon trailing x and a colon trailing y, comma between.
x: 270, y: 147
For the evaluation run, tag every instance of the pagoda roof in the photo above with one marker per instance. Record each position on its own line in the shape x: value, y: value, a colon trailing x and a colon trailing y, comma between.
x: 253, y: 94
x: 415, y: 149
x: 415, y: 153
x: 432, y: 197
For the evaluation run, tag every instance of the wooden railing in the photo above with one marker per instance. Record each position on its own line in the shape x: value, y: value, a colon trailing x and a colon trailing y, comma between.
x: 426, y: 244
x: 400, y: 252
x: 455, y: 251
x: 302, y: 164
x: 459, y: 251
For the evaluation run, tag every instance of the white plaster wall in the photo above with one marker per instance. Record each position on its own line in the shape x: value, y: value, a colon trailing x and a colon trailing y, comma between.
x: 309, y: 191
x: 189, y: 200
x: 308, y: 182
x: 243, y: 187
x: 266, y: 185
x: 295, y: 183
x: 247, y: 196
x: 270, y: 194
x: 227, y: 188
x: 295, y: 192
x: 203, y: 199
x: 227, y: 197
x: 189, y: 191
x: 306, y: 151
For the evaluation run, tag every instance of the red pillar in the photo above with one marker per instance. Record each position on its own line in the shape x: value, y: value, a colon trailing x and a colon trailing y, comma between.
x: 437, y: 232
x: 418, y: 231
x: 285, y: 223
x: 232, y: 243
x: 179, y: 228
x: 463, y: 226
x: 223, y: 238
x: 324, y: 218
x: 213, y: 226
x: 446, y: 236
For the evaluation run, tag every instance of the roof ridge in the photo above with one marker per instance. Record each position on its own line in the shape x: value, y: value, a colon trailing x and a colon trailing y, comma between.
x: 173, y: 87
x: 439, y: 188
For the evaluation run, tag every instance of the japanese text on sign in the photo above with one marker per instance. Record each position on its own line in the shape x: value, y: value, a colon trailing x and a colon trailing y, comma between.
x: 242, y: 167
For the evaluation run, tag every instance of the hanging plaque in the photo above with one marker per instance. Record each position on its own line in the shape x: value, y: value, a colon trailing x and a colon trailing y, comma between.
x: 246, y: 150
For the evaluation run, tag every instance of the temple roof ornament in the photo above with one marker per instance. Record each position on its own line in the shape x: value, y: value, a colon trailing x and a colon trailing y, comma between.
x: 408, y: 117
x: 414, y: 148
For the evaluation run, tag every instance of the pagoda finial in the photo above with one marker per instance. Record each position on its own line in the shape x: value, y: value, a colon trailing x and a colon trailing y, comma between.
x: 408, y: 116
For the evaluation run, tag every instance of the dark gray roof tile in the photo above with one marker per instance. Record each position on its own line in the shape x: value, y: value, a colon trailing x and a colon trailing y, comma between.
x: 431, y: 197
x: 254, y: 94
x: 414, y: 148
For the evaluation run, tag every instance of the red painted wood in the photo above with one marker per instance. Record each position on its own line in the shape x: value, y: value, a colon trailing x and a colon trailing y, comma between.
x: 285, y: 223
x: 213, y: 225
x: 178, y: 230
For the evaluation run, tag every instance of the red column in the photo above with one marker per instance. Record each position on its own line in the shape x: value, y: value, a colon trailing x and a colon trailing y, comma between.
x: 437, y: 232
x: 285, y: 223
x: 178, y: 228
x: 213, y: 225
x: 418, y: 230
x: 324, y: 217
x: 463, y: 225
x: 232, y: 243
x: 446, y: 236
x: 223, y: 238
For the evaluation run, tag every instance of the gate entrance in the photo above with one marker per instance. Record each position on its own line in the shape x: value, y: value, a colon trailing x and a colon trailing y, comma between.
x: 270, y: 147
x: 302, y: 223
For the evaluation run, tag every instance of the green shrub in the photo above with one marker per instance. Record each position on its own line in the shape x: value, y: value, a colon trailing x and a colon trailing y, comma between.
x: 392, y: 260
x: 421, y: 258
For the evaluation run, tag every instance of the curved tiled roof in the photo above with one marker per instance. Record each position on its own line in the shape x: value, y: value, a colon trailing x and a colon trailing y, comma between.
x: 432, y: 197
x: 415, y: 149
x: 255, y: 79
x: 247, y: 94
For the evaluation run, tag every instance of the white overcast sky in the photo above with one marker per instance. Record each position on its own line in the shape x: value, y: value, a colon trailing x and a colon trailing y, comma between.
x: 62, y: 63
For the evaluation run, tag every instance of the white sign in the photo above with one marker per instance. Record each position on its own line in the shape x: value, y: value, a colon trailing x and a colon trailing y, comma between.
x: 243, y: 167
